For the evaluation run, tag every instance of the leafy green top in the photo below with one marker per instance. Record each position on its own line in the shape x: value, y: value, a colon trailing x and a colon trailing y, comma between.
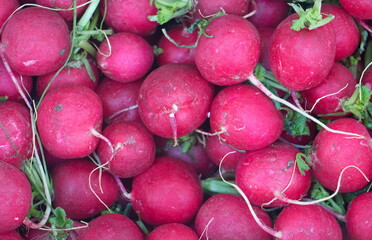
x: 169, y: 9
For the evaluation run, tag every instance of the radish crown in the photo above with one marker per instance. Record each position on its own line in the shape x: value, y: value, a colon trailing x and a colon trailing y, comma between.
x: 169, y: 9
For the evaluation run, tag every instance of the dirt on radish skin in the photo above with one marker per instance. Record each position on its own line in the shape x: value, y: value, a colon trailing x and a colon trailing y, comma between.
x: 174, y: 100
x: 309, y: 222
x: 172, y: 231
x: 168, y: 192
x: 112, y: 226
x: 35, y: 41
x: 15, y: 133
x: 125, y: 57
x: 66, y: 118
x: 134, y: 149
x: 246, y: 117
x: 333, y: 152
x: 359, y: 217
x: 72, y: 191
x: 15, y: 197
x: 227, y: 217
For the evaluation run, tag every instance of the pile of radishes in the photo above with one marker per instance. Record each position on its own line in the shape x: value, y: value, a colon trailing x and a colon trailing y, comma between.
x: 185, y: 120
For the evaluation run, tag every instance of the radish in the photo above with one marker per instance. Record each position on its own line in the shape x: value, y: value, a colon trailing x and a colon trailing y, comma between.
x: 174, y: 100
x: 261, y: 173
x: 65, y: 4
x: 15, y: 197
x: 333, y: 152
x: 7, y: 88
x: 245, y: 118
x: 367, y: 79
x: 129, y: 16
x: 74, y: 182
x: 119, y: 100
x: 6, y: 9
x: 15, y: 133
x: 68, y: 120
x: 217, y: 150
x: 310, y: 222
x: 172, y: 231
x: 74, y: 73
x: 170, y: 53
x: 125, y: 57
x: 359, y: 217
x: 110, y: 227
x: 301, y: 59
x: 347, y: 37
x: 35, y: 41
x: 265, y: 35
x: 358, y: 8
x: 226, y: 217
x: 327, y: 97
x: 12, y: 235
x: 168, y: 192
x: 269, y: 13
x: 235, y: 41
x: 134, y: 149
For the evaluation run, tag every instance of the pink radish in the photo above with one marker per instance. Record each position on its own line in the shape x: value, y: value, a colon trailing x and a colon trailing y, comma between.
x: 65, y: 4
x: 172, y: 231
x: 269, y: 13
x: 265, y: 35
x: 359, y: 217
x: 12, y: 235
x: 6, y: 9
x: 358, y: 8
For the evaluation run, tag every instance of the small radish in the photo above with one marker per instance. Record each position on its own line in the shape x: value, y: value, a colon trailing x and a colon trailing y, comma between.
x: 172, y: 231
x: 68, y: 119
x: 112, y: 226
x: 245, y: 118
x: 333, y: 152
x: 65, y: 4
x: 12, y: 235
x: 269, y: 13
x: 265, y: 35
x: 263, y: 172
x: 309, y: 222
x: 73, y: 187
x: 119, y: 100
x: 231, y: 39
x: 358, y: 8
x: 129, y: 16
x: 125, y: 57
x: 6, y: 9
x: 134, y: 149
x: 35, y: 41
x: 174, y: 100
x: 15, y: 133
x: 226, y: 217
x: 15, y: 197
x: 168, y: 192
x: 359, y: 217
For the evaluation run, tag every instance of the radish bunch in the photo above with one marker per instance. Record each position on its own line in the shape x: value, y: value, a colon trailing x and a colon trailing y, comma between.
x: 182, y: 119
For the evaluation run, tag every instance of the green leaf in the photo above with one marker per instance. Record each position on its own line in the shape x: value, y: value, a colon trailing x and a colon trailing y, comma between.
x: 260, y: 72
x: 301, y: 163
x: 169, y: 9
x: 3, y: 98
x: 358, y: 103
x: 295, y: 123
x: 59, y: 220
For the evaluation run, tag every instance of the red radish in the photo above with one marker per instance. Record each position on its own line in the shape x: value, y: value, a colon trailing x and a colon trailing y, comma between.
x: 73, y: 193
x: 125, y: 57
x: 269, y: 13
x: 235, y: 41
x: 323, y: 98
x: 168, y: 192
x: 65, y: 4
x: 226, y: 217
x: 15, y: 133
x: 301, y: 59
x: 74, y: 73
x: 130, y: 16
x: 110, y: 227
x: 309, y: 222
x: 359, y: 217
x: 15, y: 197
x: 117, y: 97
x: 174, y: 100
x: 347, y: 37
x: 301, y: 139
x: 172, y: 231
x: 217, y: 150
x: 6, y: 9
x: 367, y: 79
x: 358, y: 8
x: 35, y: 41
x: 67, y: 120
x: 265, y: 35
x: 245, y: 117
x: 134, y: 149
x: 173, y: 54
x: 334, y: 152
x: 12, y: 235
x: 7, y: 88
x: 261, y: 173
